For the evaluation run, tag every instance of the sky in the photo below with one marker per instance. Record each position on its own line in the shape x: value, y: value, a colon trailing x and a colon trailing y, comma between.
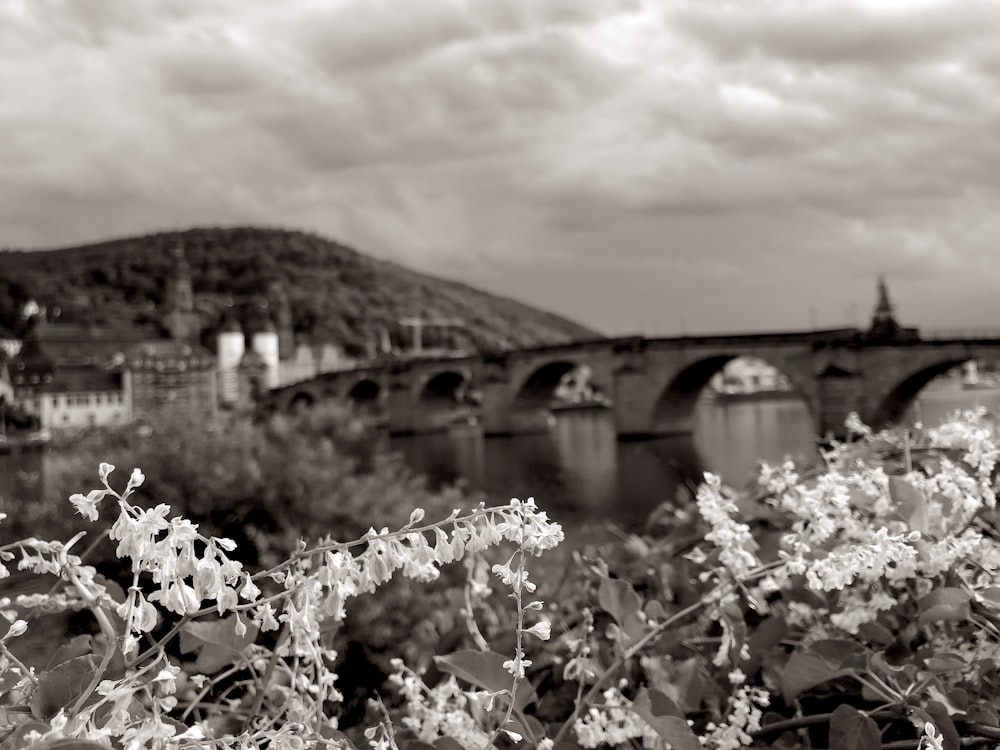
x: 639, y: 166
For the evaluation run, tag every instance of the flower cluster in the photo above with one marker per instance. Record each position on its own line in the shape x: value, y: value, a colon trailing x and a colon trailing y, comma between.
x: 745, y: 712
x: 734, y: 540
x: 284, y: 688
x: 613, y: 723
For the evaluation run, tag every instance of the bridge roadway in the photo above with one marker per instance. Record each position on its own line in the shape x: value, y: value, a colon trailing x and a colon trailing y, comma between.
x: 651, y: 384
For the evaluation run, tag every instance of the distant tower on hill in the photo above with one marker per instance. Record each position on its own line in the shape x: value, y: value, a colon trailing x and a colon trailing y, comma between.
x: 884, y: 326
x: 181, y: 319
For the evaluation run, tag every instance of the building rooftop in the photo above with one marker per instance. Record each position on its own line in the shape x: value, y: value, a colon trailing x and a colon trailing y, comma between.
x: 71, y: 343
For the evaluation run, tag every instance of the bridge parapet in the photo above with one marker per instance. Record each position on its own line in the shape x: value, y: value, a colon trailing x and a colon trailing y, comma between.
x: 653, y: 382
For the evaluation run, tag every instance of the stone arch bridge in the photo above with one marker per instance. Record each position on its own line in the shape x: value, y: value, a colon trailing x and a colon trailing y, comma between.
x: 649, y: 384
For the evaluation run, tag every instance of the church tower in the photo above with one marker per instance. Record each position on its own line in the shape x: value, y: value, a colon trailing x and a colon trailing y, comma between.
x: 884, y: 326
x: 181, y: 319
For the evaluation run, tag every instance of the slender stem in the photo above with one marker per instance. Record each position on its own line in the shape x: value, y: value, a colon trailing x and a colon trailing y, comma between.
x: 804, y: 721
x: 18, y: 663
x: 518, y: 651
x: 652, y: 635
x: 272, y: 663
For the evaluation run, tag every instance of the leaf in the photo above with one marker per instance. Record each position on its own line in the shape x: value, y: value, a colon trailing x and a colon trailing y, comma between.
x: 79, y: 646
x: 663, y: 715
x: 617, y: 597
x: 947, y: 603
x: 852, y: 730
x: 877, y: 633
x: 946, y: 662
x: 990, y: 596
x: 336, y: 735
x: 115, y: 591
x: 911, y: 505
x: 937, y: 714
x: 767, y: 635
x: 68, y: 743
x: 447, y: 743
x: 60, y: 687
x: 821, y: 662
x: 216, y: 643
x: 485, y: 670
x: 982, y: 713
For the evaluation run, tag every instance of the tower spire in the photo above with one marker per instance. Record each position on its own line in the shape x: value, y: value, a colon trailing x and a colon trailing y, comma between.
x: 181, y: 318
x: 884, y: 325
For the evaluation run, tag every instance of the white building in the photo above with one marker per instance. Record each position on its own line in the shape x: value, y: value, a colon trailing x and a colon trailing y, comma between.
x: 79, y: 397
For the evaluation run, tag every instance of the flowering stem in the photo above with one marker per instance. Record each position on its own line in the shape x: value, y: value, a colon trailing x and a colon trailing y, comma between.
x: 518, y: 652
x: 651, y: 636
x: 20, y: 664
x: 272, y: 663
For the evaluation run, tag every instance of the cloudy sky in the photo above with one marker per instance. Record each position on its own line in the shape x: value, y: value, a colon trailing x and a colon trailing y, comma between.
x: 638, y: 165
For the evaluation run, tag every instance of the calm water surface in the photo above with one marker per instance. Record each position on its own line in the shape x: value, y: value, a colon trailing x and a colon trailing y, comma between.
x: 580, y: 473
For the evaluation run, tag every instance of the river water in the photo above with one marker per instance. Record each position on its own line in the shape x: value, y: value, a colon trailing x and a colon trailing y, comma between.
x: 580, y: 473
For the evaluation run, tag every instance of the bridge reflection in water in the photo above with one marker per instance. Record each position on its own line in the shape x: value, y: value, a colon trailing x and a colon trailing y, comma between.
x: 581, y: 473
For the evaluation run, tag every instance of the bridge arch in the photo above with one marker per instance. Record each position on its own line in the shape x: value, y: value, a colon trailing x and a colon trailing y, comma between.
x: 538, y: 389
x: 301, y: 401
x: 365, y: 392
x: 674, y: 408
x: 443, y: 389
x: 892, y: 406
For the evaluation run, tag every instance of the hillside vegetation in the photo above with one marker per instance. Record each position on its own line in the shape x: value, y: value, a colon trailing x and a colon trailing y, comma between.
x: 336, y: 294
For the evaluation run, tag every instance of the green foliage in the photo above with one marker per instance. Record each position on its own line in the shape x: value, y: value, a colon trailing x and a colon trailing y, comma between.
x: 264, y: 484
x: 336, y: 294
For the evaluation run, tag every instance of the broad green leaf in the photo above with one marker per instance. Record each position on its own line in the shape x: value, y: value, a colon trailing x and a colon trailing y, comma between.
x: 447, y: 743
x: 911, y: 505
x: 663, y: 715
x: 79, y: 646
x: 485, y: 670
x: 840, y: 653
x: 990, y: 596
x: 946, y: 662
x: 877, y: 633
x: 983, y: 713
x: 617, y: 597
x: 71, y: 744
x: 821, y: 662
x: 765, y: 636
x: 216, y: 643
x: 61, y: 686
x: 852, y: 730
x: 526, y: 726
x: 947, y: 603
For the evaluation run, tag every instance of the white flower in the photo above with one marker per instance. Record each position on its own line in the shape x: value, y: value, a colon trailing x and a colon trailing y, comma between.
x: 18, y: 627
x: 86, y: 505
x: 541, y: 629
x: 103, y: 471
x: 135, y: 480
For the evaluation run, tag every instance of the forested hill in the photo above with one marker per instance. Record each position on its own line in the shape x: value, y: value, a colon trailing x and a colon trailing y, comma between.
x: 336, y: 294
